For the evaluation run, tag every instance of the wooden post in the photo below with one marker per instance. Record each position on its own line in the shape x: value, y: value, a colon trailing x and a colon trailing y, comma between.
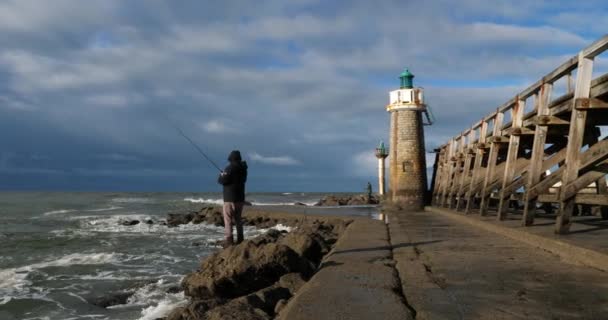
x: 476, y: 175
x: 458, y: 171
x: 602, y: 189
x: 467, y: 169
x: 578, y: 121
x: 450, y: 172
x: 436, y: 181
x: 538, y: 151
x: 517, y: 115
x: 494, y: 148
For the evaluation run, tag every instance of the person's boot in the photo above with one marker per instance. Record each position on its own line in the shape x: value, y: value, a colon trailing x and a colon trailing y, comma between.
x: 228, y: 242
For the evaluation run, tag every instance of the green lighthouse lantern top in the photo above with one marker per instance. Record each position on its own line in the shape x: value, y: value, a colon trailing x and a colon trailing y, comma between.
x: 407, y: 79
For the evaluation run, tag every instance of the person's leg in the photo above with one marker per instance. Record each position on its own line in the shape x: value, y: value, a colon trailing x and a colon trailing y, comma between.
x: 237, y: 220
x: 229, y: 210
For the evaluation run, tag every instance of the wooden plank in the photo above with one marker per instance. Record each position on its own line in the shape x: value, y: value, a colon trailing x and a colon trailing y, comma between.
x: 536, y: 160
x: 517, y: 114
x: 593, y: 199
x: 548, y: 197
x: 518, y: 131
x: 575, y: 142
x: 498, y: 139
x: 589, y: 103
x: 547, y: 120
x: 493, y: 156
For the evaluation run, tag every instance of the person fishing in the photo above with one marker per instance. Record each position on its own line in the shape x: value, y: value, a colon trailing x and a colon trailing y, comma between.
x: 233, y: 179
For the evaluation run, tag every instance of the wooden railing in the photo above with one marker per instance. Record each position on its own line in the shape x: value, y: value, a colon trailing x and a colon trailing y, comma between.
x: 552, y: 153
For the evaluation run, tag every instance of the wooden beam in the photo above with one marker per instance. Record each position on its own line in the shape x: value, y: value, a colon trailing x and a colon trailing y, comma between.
x: 595, y: 48
x: 467, y: 168
x: 477, y: 169
x: 493, y: 156
x: 598, y: 172
x: 592, y: 199
x: 578, y: 122
x: 547, y: 120
x: 589, y: 103
x: 517, y: 114
x: 536, y: 160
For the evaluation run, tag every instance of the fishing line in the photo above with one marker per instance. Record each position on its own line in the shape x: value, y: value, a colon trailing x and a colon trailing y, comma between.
x: 196, y: 147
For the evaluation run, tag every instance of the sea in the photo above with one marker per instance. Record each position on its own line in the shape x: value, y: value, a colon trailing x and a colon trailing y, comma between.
x: 59, y: 252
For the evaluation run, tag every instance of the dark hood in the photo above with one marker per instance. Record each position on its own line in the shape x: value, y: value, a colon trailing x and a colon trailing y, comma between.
x: 235, y: 156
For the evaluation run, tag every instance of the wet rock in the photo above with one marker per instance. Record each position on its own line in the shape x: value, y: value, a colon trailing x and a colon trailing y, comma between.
x: 300, y: 204
x: 112, y: 299
x: 176, y: 219
x: 245, y: 268
x: 149, y: 221
x: 354, y: 200
x: 129, y: 222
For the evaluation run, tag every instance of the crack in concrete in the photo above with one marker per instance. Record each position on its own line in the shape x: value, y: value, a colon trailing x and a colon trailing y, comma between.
x: 399, y: 289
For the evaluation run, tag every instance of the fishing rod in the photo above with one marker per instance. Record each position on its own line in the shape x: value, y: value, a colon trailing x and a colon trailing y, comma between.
x: 197, y: 148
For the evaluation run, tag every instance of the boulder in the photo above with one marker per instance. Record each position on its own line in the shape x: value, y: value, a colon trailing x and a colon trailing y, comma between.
x: 112, y: 299
x: 129, y: 222
x: 176, y: 219
x: 245, y: 268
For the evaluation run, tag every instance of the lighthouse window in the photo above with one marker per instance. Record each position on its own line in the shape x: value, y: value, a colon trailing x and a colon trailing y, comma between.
x: 405, y: 165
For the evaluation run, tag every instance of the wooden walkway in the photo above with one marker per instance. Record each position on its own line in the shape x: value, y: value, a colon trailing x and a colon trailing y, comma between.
x: 538, y: 150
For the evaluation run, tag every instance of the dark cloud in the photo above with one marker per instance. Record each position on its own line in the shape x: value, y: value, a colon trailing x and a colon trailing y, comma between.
x: 89, y: 92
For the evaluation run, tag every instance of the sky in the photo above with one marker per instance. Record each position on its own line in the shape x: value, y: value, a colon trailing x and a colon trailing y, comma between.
x: 90, y: 90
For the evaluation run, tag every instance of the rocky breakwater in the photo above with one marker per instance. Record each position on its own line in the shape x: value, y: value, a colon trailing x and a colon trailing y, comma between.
x: 354, y: 200
x: 255, y: 279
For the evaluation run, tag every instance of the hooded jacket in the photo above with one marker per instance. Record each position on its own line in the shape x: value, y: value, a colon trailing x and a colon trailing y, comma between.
x: 234, y: 179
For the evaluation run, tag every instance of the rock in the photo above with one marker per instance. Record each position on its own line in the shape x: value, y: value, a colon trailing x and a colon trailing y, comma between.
x: 194, y: 310
x: 306, y: 242
x: 112, y: 299
x: 129, y: 222
x: 300, y: 204
x: 245, y: 268
x: 237, y: 309
x: 280, y: 305
x: 176, y: 219
x: 348, y: 200
x: 292, y: 282
x: 149, y: 221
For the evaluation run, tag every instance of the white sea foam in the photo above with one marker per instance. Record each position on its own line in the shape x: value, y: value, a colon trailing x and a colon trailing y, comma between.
x: 104, y: 209
x: 14, y: 282
x: 50, y: 213
x: 201, y: 200
x: 156, y: 301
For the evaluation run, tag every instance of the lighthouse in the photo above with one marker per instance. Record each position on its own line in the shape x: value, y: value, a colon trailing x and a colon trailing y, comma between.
x: 408, y: 182
x: 381, y: 154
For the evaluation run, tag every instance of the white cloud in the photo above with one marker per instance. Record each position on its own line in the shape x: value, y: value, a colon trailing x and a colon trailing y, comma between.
x: 214, y: 126
x: 365, y: 164
x: 279, y: 161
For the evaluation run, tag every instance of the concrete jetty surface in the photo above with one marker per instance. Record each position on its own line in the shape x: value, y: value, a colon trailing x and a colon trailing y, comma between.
x: 425, y: 265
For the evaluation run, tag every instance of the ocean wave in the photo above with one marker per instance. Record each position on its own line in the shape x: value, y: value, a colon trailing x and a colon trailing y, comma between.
x: 14, y: 282
x: 50, y: 213
x: 104, y: 209
x: 133, y: 200
x: 155, y: 299
x: 253, y: 202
